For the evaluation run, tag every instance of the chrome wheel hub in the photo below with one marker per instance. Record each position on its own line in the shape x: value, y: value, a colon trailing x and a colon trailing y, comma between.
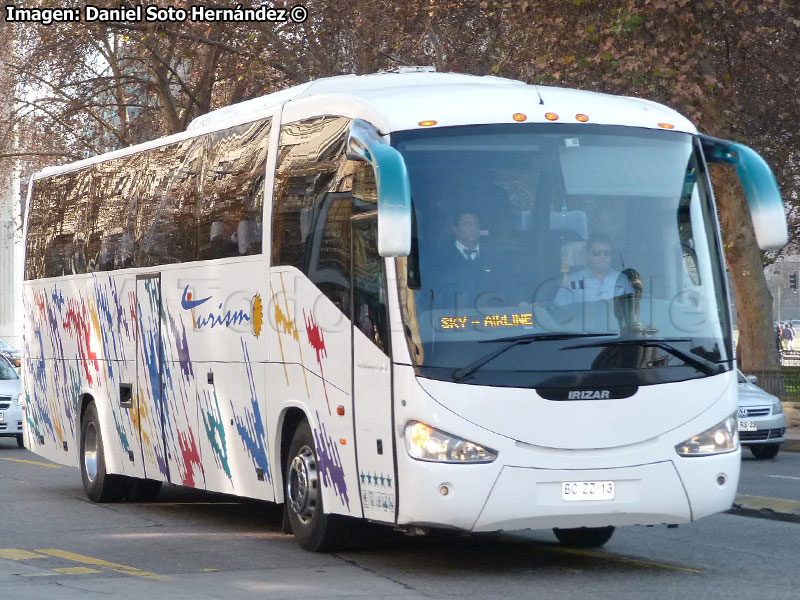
x: 90, y: 452
x: 302, y: 485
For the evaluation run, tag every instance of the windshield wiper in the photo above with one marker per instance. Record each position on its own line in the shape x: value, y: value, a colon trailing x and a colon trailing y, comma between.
x: 698, y: 362
x: 464, y: 372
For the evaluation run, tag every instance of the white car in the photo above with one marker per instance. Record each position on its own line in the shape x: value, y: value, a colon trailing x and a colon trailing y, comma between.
x: 762, y: 424
x: 10, y: 411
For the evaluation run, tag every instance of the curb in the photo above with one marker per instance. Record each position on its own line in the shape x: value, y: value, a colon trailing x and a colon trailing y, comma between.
x: 792, y: 445
x: 775, y: 509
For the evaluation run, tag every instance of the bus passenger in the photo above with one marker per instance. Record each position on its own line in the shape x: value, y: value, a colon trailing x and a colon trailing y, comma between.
x: 597, y: 280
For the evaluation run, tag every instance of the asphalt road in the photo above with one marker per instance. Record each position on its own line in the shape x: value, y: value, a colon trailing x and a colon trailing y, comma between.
x: 54, y: 543
x: 775, y: 478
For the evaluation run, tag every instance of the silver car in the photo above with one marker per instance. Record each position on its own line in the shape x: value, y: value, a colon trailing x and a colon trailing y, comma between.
x: 12, y: 354
x: 10, y: 411
x: 762, y: 424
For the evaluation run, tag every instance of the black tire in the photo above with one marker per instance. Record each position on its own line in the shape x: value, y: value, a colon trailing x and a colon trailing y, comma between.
x: 20, y: 440
x: 584, y: 537
x: 143, y: 490
x: 314, y: 530
x: 762, y: 451
x: 99, y: 485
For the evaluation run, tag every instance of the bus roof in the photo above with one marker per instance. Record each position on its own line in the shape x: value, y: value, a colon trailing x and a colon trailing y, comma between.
x: 398, y: 101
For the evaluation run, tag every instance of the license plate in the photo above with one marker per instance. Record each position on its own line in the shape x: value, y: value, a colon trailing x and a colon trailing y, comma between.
x: 748, y: 426
x: 574, y: 491
x: 2, y: 416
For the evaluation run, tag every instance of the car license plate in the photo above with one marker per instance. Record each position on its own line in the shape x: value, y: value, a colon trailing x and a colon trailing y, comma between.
x: 2, y: 416
x: 574, y: 491
x: 748, y: 426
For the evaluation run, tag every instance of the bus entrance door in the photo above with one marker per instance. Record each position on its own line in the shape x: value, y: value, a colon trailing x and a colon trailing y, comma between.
x: 148, y: 396
x: 372, y: 375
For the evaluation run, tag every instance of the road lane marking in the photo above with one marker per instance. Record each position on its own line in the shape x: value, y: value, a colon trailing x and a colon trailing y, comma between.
x: 76, y: 570
x: 17, y: 554
x: 99, y: 562
x: 784, y: 477
x: 33, y: 462
x: 622, y: 559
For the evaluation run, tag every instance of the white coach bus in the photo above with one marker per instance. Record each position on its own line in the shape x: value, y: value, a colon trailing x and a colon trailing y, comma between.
x: 426, y: 300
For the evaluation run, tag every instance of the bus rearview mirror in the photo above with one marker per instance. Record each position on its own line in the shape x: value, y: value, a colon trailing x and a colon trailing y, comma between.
x: 760, y: 186
x: 394, y: 190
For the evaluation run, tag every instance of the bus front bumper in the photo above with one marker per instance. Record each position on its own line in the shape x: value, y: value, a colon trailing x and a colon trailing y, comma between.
x: 665, y: 492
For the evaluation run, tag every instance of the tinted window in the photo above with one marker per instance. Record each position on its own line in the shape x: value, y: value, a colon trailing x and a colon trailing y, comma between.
x: 165, y: 219
x: 7, y: 372
x: 200, y: 198
x: 311, y: 165
x: 232, y: 192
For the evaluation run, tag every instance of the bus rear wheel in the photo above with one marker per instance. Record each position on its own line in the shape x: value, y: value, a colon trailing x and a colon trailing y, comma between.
x: 314, y: 530
x: 584, y: 537
x: 99, y: 485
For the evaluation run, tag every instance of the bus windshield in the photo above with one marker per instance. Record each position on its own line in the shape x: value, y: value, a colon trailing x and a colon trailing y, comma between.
x: 541, y: 251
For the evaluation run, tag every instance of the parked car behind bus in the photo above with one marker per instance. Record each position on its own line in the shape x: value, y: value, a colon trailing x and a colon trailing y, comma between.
x: 10, y: 412
x: 12, y: 354
x: 762, y: 424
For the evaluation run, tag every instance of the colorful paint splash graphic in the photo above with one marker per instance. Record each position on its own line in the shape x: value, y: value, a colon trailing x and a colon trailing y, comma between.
x: 330, y: 463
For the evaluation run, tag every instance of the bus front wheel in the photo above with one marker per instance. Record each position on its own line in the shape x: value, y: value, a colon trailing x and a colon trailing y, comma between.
x: 315, y: 530
x: 584, y: 537
x: 99, y: 485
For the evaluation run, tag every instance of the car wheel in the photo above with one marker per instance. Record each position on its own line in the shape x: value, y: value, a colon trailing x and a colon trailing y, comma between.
x: 584, y: 537
x: 313, y: 529
x: 20, y: 440
x: 763, y: 451
x: 99, y: 485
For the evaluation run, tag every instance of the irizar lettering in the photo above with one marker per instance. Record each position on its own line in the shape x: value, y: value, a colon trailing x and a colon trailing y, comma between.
x: 589, y: 395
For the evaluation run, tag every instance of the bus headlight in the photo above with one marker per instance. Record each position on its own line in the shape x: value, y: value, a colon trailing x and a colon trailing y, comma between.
x: 723, y: 437
x: 423, y: 442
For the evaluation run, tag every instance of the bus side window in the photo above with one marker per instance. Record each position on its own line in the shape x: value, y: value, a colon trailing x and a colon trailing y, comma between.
x: 232, y: 191
x: 165, y: 217
x: 369, y: 302
x: 310, y: 155
x: 122, y: 183
x: 328, y: 250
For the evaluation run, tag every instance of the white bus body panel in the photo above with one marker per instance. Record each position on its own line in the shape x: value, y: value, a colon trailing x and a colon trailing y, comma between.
x: 522, y: 487
x: 213, y: 373
x: 310, y: 368
x: 525, y: 416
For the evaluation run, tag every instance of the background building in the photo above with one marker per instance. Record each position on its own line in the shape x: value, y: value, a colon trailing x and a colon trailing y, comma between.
x: 782, y: 281
x: 10, y: 259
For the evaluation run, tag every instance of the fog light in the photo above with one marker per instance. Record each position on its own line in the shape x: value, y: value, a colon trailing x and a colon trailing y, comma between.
x: 721, y: 479
x: 444, y: 490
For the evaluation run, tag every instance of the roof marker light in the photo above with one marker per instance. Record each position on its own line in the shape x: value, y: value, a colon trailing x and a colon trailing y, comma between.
x: 427, y: 123
x: 519, y: 117
x: 582, y: 118
x: 551, y: 116
x: 666, y: 125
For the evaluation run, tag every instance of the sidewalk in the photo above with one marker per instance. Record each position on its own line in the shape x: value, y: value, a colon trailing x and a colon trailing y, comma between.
x: 772, y: 508
x: 792, y: 443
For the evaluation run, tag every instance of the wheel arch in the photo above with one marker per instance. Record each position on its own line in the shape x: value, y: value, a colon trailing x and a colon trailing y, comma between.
x: 290, y: 418
x: 85, y: 398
